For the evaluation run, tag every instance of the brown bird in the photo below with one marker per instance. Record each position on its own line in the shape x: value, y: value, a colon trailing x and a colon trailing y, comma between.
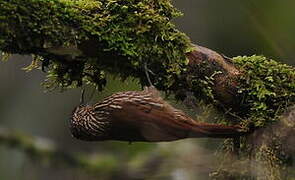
x: 141, y: 116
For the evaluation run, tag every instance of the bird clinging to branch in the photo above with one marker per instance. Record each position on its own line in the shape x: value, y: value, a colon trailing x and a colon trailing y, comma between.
x: 141, y: 116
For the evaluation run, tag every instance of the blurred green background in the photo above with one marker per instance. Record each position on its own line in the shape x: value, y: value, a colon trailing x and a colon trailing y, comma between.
x: 230, y: 27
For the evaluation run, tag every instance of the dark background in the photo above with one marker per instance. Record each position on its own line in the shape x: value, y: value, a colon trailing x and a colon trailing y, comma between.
x: 230, y: 27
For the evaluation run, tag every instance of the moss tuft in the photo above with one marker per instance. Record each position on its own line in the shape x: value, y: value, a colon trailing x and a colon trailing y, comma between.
x: 122, y: 34
x: 267, y: 88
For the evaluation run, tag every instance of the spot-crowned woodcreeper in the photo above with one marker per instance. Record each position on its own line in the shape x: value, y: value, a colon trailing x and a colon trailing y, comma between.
x: 141, y: 116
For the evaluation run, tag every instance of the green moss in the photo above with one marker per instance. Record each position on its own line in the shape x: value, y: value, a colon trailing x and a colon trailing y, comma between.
x: 266, y: 88
x: 127, y: 33
x: 100, y: 164
x: 4, y: 56
x: 202, y: 81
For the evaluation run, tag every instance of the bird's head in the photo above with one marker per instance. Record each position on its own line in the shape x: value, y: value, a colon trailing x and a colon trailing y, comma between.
x: 86, y: 124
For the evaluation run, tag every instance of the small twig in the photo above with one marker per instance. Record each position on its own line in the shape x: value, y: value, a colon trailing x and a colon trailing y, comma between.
x: 82, y: 96
x: 146, y: 70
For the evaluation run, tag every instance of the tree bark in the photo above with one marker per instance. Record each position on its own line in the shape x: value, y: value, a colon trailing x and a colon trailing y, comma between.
x: 84, y: 40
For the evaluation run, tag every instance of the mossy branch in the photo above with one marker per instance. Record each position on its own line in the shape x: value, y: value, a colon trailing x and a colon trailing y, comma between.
x: 80, y: 41
x: 44, y: 150
x: 101, y: 165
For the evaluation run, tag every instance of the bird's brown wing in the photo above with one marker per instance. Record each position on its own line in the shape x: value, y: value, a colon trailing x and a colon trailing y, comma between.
x: 162, y: 122
x: 152, y: 121
x: 146, y: 117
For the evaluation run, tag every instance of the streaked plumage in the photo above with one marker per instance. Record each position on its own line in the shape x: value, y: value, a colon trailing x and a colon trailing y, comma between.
x: 140, y: 116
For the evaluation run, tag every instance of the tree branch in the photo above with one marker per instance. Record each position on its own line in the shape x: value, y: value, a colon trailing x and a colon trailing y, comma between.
x: 81, y: 41
x: 44, y: 150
